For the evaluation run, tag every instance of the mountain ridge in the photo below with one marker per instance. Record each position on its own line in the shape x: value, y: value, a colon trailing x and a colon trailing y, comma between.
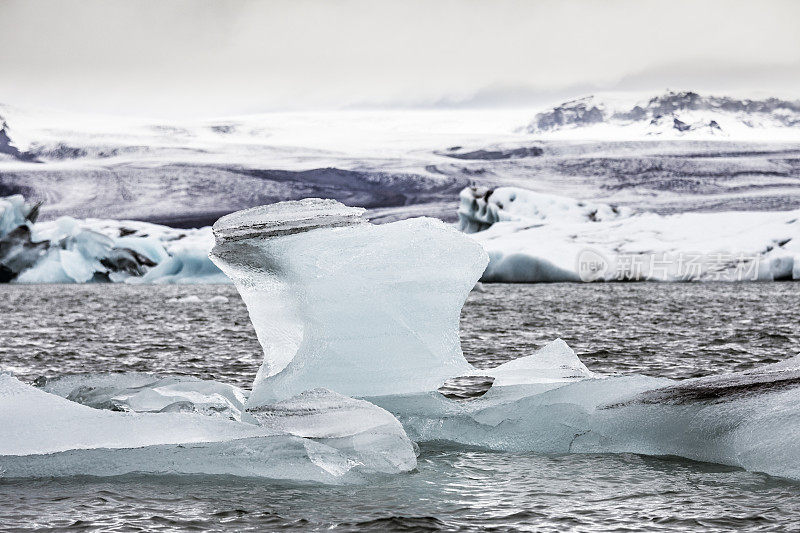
x: 671, y: 114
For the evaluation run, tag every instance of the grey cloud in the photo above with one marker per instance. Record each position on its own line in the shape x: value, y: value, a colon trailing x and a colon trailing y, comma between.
x: 199, y: 57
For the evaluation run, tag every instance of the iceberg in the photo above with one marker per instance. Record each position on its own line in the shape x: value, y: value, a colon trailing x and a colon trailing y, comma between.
x: 481, y: 207
x: 330, y: 298
x: 342, y: 304
x: 535, y: 237
x: 67, y: 250
x: 748, y: 419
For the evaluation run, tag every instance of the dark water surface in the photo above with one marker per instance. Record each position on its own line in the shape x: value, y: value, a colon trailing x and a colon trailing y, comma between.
x: 674, y: 330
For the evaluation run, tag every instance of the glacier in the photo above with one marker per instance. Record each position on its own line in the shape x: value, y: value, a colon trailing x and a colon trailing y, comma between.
x: 402, y: 163
x: 538, y: 237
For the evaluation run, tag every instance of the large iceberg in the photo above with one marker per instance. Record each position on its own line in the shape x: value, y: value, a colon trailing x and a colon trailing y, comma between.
x: 340, y: 303
x: 536, y: 237
x: 371, y: 312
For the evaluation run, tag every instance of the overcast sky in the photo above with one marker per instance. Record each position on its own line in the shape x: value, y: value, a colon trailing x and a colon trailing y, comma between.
x: 209, y: 58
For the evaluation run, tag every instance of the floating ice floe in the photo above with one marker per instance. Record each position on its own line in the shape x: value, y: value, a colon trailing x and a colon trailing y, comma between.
x: 46, y: 435
x: 67, y: 250
x: 535, y: 237
x: 748, y: 419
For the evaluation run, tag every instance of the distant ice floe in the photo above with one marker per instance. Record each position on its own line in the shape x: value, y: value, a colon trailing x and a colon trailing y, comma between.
x: 67, y: 250
x: 536, y: 237
x: 359, y: 327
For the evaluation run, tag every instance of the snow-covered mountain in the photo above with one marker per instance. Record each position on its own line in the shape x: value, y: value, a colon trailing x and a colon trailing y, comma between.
x: 678, y: 115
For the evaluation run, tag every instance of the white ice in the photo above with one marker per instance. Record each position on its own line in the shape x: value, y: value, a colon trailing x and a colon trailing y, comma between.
x: 369, y: 434
x: 359, y: 325
x: 343, y: 304
x: 283, y: 258
x: 555, y: 362
x: 81, y: 251
x: 140, y: 392
x: 46, y: 435
x: 532, y: 237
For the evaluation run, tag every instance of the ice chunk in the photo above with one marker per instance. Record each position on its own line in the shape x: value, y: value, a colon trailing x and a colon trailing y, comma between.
x: 45, y: 435
x: 15, y: 212
x: 346, y: 305
x: 532, y: 237
x: 481, y: 207
x: 363, y: 431
x: 556, y: 362
x: 186, y: 266
x: 142, y: 392
x: 746, y: 419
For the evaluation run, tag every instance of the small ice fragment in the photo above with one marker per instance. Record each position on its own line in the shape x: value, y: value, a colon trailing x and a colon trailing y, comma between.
x: 140, y: 392
x: 554, y: 362
x: 363, y: 431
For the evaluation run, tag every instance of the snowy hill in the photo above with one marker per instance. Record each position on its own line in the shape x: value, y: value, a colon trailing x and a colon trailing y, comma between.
x: 675, y: 115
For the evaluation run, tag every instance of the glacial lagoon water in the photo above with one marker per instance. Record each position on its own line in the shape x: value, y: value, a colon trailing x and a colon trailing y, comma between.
x: 672, y: 330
